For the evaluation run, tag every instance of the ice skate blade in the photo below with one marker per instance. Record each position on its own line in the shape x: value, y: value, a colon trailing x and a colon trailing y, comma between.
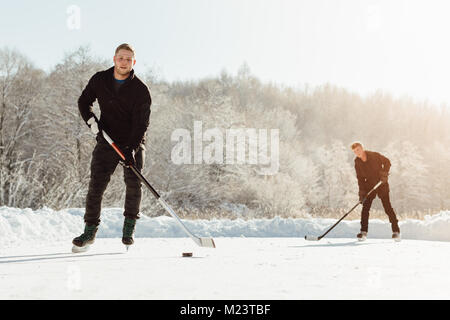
x: 76, y: 249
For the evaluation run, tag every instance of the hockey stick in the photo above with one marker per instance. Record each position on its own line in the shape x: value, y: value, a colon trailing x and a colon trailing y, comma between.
x: 202, y: 242
x: 314, y: 238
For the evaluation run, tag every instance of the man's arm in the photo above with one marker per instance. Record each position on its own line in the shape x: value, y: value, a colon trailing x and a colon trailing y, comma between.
x: 86, y: 100
x: 386, y: 164
x: 361, y: 181
x: 140, y: 120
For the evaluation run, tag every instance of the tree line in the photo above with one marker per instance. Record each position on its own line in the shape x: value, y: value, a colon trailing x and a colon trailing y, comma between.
x: 45, y: 147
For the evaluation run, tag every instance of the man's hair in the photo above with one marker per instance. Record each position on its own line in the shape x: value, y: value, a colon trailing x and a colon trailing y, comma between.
x: 356, y: 144
x: 125, y: 46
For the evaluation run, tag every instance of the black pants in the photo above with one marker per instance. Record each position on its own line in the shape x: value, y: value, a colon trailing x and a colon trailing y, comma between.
x: 103, y: 164
x: 384, y: 197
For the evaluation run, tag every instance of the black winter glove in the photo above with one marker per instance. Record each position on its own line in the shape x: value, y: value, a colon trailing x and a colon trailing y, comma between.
x: 384, y: 176
x: 129, y: 157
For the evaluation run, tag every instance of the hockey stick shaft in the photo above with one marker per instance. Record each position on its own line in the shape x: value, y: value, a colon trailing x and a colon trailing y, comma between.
x: 345, y: 215
x: 203, y: 242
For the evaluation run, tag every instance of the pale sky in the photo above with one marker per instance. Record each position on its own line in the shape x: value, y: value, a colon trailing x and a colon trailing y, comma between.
x: 400, y: 46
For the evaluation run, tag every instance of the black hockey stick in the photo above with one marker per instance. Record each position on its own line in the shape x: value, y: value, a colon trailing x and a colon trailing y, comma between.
x: 202, y: 242
x: 314, y: 238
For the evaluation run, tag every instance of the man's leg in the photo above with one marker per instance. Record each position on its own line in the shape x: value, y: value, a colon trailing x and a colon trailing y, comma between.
x: 104, y: 162
x: 365, y: 213
x: 133, y: 187
x: 389, y: 211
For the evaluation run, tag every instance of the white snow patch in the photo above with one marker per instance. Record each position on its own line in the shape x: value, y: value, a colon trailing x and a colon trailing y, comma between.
x: 239, y: 268
x: 254, y: 259
x: 26, y: 226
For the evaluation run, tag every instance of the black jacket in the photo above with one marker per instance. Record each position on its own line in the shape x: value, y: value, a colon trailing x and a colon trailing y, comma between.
x: 125, y: 115
x: 368, y: 173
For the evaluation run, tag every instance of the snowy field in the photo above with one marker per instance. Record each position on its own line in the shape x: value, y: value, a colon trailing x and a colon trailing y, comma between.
x: 36, y: 261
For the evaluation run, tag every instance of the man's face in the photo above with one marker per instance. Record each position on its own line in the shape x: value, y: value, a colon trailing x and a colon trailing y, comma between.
x: 124, y: 61
x: 358, y: 151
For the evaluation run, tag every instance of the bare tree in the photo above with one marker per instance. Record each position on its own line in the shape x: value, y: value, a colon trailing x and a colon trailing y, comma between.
x: 20, y: 90
x: 66, y: 142
x: 45, y: 147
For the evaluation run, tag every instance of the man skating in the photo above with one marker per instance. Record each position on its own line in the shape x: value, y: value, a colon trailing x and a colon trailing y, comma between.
x: 124, y: 102
x: 372, y: 167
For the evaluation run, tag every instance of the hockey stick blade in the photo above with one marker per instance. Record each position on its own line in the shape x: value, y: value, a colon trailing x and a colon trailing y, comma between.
x: 312, y: 238
x: 207, y: 242
x: 202, y: 242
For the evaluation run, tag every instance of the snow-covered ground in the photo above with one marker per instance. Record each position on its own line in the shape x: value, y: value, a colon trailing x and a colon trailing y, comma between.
x: 257, y: 259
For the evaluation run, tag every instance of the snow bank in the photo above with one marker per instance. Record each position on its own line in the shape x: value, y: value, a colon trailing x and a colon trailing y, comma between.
x: 46, y: 225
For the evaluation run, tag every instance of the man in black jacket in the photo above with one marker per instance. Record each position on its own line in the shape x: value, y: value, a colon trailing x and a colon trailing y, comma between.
x: 372, y: 167
x: 124, y: 102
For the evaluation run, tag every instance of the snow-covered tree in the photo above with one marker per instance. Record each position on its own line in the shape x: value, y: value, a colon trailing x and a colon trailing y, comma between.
x: 66, y: 141
x: 408, y: 177
x: 337, y: 175
x: 20, y: 91
x: 438, y: 155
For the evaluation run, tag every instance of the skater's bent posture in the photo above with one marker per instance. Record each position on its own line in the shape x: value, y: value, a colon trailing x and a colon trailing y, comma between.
x: 372, y: 167
x: 124, y: 102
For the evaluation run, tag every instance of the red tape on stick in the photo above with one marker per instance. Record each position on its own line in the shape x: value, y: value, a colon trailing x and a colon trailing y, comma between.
x: 118, y: 150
